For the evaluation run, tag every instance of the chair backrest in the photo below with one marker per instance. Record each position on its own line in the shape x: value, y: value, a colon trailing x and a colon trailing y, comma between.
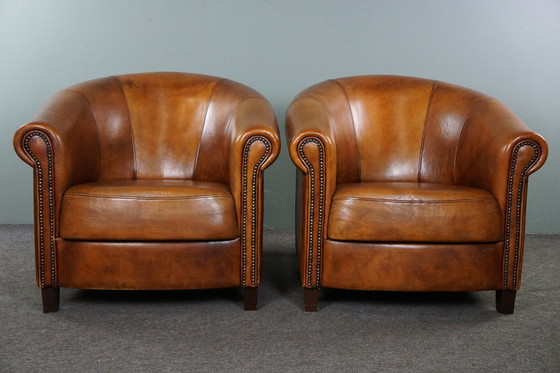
x: 394, y: 128
x: 162, y: 125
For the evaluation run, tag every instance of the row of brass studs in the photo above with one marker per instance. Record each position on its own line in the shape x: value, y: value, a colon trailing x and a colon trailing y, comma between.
x: 312, y: 209
x: 39, y: 170
x: 253, y: 207
x: 518, y: 209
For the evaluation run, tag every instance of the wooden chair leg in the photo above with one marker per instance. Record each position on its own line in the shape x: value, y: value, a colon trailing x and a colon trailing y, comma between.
x: 310, y: 299
x: 505, y: 301
x: 51, y: 299
x: 250, y: 298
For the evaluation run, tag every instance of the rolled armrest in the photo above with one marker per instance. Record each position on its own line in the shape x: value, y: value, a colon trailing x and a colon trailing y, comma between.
x: 254, y: 145
x: 252, y: 118
x: 498, y: 152
x: 494, y: 144
x: 66, y: 125
x: 313, y: 151
x: 61, y: 145
x: 308, y: 120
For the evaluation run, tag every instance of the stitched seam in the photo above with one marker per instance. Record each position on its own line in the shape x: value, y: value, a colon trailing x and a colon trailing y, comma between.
x: 353, y: 126
x: 459, y: 140
x: 435, y: 201
x: 50, y: 183
x: 87, y: 195
x: 95, y: 125
x: 204, y: 126
x: 428, y: 109
x: 133, y: 142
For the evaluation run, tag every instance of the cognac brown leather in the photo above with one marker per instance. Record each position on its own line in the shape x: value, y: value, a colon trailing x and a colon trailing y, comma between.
x: 412, y: 266
x: 165, y: 210
x: 413, y: 212
x: 148, y: 265
x: 409, y: 184
x: 150, y: 181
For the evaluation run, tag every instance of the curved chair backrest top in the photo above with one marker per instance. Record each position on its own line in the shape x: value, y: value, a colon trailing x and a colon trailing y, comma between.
x: 395, y: 128
x: 160, y: 125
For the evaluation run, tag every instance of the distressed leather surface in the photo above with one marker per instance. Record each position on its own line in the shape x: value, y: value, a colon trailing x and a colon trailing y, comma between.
x: 127, y: 165
x: 413, y: 212
x: 148, y: 210
x: 390, y: 161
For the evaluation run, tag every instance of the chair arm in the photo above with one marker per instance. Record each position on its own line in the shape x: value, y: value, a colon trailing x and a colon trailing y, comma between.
x: 313, y: 151
x: 254, y: 145
x: 497, y: 152
x: 61, y: 145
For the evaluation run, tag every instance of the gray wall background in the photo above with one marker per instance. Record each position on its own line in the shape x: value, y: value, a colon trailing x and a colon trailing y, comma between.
x: 507, y: 49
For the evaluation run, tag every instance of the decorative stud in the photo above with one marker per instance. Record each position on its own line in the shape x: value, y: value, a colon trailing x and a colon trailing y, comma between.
x: 518, y: 210
x: 40, y: 191
x: 254, y: 205
x: 312, y: 208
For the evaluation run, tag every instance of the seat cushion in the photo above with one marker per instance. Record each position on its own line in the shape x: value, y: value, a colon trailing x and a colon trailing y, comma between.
x: 413, y: 212
x: 148, y: 210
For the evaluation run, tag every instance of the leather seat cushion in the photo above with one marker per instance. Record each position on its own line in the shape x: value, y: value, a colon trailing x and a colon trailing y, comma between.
x: 413, y: 212
x: 148, y: 210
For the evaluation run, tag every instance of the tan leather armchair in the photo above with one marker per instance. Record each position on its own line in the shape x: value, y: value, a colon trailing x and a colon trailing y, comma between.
x: 150, y: 181
x: 407, y: 184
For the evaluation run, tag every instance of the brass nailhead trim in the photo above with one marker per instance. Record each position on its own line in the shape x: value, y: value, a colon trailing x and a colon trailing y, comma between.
x: 267, y: 145
x: 312, y: 209
x: 518, y: 210
x: 40, y: 186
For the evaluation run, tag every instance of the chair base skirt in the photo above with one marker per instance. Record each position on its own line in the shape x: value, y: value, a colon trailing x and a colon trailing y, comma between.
x: 386, y: 266
x: 438, y: 268
x: 148, y: 265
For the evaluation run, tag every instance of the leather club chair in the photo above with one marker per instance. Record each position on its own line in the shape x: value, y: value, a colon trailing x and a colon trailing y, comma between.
x: 407, y: 184
x: 149, y: 181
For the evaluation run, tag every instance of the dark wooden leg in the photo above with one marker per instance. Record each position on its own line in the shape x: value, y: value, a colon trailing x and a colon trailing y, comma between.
x: 250, y: 298
x: 505, y: 301
x: 310, y: 299
x: 51, y: 299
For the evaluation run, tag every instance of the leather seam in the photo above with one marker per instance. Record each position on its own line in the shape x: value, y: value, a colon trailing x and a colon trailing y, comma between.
x: 133, y: 142
x: 204, y: 126
x: 428, y: 110
x: 85, y: 195
x: 412, y: 201
x: 95, y: 125
x: 464, y: 126
x: 353, y: 126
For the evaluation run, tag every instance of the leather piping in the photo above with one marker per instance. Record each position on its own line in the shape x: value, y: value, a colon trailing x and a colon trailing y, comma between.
x: 204, y: 126
x: 353, y: 127
x: 424, y: 130
x: 118, y: 82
